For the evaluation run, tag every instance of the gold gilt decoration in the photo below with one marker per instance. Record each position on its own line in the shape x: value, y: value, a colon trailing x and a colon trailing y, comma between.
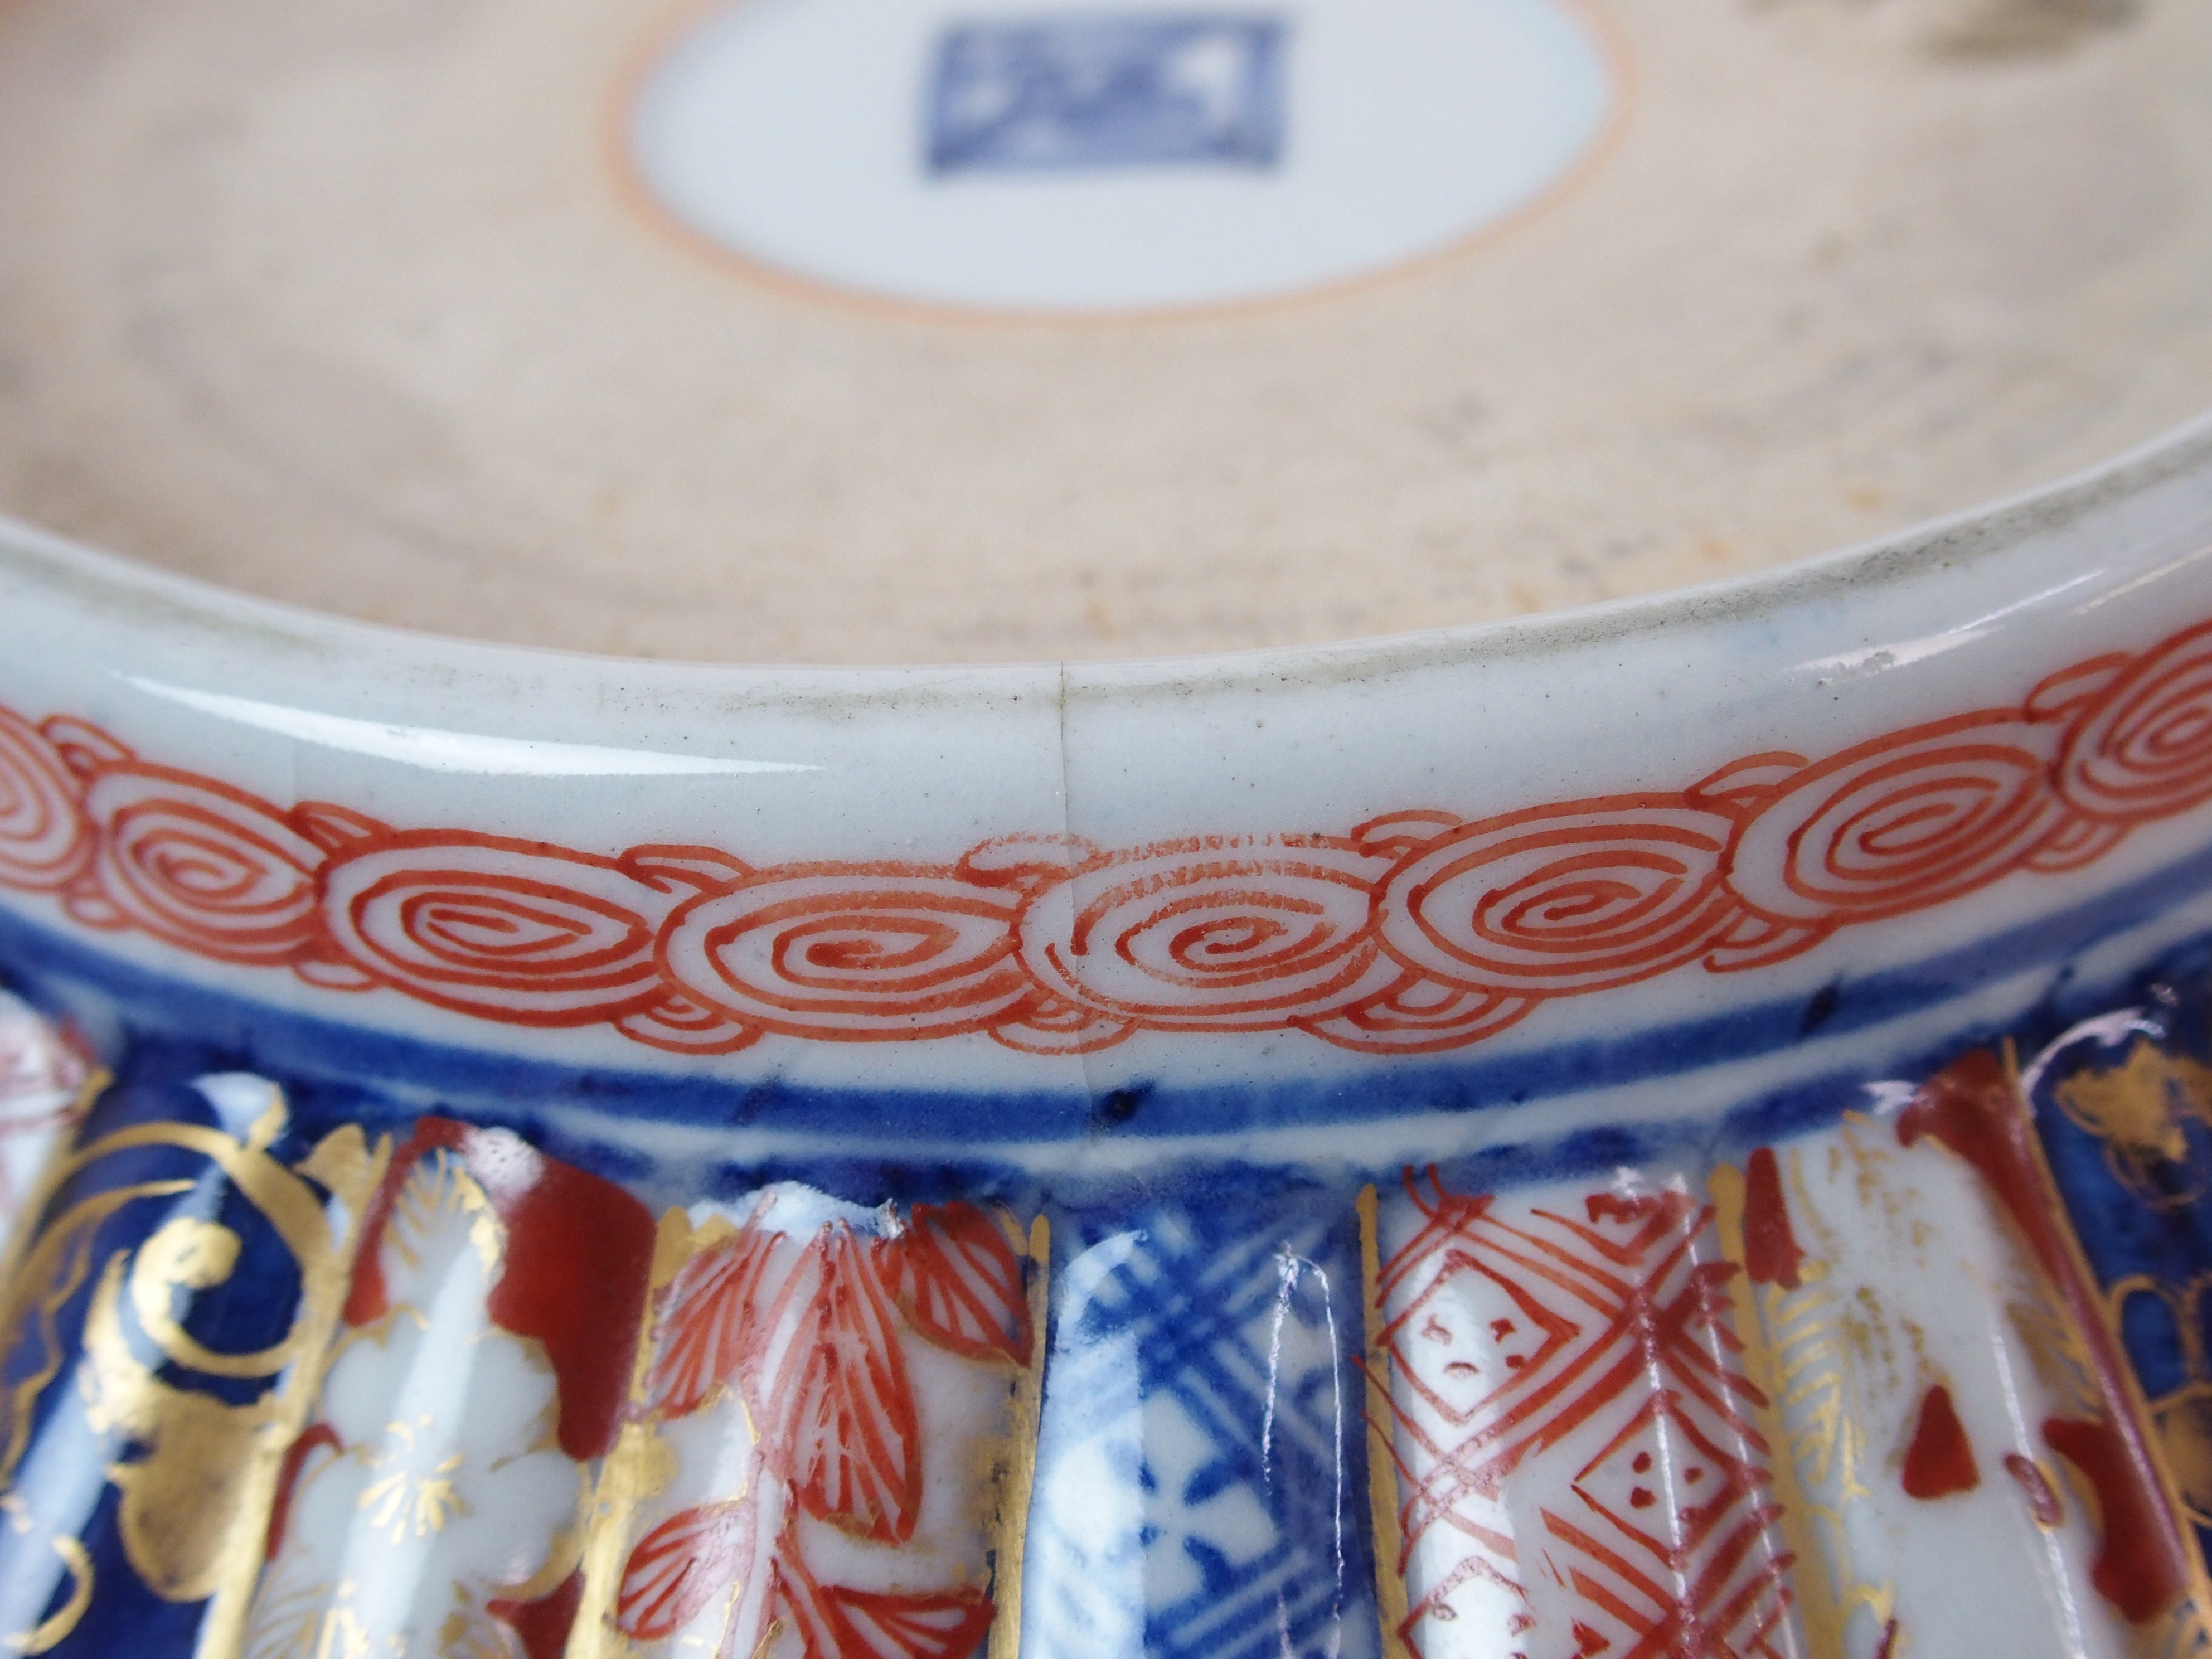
x: 1009, y: 1506
x: 2141, y: 1109
x: 1979, y: 1109
x: 462, y: 1501
x: 49, y: 1632
x: 25, y: 1248
x: 1391, y: 1601
x: 1797, y: 1340
x: 2182, y: 1415
x: 408, y: 1500
x: 643, y: 1463
x: 198, y: 1487
x: 2184, y: 1635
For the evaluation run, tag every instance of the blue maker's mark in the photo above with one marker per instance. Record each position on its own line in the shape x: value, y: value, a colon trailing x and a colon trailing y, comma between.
x: 1091, y: 92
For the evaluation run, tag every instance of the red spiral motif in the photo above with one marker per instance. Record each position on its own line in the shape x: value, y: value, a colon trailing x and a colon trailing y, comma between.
x: 1417, y: 1016
x: 2143, y: 749
x: 44, y: 842
x: 1563, y: 899
x: 682, y: 1026
x: 1219, y: 934
x: 853, y: 952
x: 205, y: 867
x: 1416, y: 932
x: 1053, y: 1025
x: 511, y: 930
x: 1904, y: 822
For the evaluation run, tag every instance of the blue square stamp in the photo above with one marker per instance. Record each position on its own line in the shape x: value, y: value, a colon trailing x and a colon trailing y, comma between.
x: 1088, y: 92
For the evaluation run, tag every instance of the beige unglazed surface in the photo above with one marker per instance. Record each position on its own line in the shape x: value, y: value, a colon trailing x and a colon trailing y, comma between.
x: 350, y: 302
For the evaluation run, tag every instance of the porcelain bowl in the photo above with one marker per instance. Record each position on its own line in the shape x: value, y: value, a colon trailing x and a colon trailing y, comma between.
x: 1674, y: 1128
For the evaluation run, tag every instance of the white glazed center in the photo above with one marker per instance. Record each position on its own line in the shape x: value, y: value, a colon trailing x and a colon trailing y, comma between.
x: 1062, y: 155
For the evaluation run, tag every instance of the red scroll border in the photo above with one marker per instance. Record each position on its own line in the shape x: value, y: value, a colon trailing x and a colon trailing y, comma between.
x: 1414, y: 932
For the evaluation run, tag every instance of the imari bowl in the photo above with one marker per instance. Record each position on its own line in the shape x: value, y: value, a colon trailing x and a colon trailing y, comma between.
x: 1680, y: 1129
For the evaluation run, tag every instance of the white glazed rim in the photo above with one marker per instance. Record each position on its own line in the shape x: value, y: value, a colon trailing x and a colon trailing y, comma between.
x: 922, y: 780
x: 100, y: 586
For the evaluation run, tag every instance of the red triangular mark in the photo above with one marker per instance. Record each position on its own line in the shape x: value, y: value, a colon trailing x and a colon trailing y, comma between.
x: 542, y: 1625
x: 1941, y: 1459
x: 1770, y: 1252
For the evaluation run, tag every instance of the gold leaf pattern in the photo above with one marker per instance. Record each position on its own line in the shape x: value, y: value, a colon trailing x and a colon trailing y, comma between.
x: 198, y: 1481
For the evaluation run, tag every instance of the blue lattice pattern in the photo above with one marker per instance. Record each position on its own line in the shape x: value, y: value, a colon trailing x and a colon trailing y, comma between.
x: 1199, y: 1468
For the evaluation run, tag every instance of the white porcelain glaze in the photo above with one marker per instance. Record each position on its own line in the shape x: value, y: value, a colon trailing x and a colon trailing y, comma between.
x: 1068, y: 1217
x: 789, y: 766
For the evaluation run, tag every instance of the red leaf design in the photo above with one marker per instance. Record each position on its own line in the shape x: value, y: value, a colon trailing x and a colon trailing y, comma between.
x: 850, y: 1444
x: 960, y: 1282
x: 710, y: 1324
x: 679, y: 1567
x: 801, y: 1604
x: 946, y: 1627
x: 833, y: 1622
x: 805, y: 1326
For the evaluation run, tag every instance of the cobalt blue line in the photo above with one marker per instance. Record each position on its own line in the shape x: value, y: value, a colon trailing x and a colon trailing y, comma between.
x: 57, y: 971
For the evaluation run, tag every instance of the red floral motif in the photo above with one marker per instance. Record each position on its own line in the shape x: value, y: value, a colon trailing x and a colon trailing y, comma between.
x: 537, y: 1274
x: 833, y: 1622
x: 807, y: 1326
x: 1416, y: 932
x: 579, y: 1250
x: 713, y: 1320
x: 847, y: 1433
x: 2144, y: 1555
x: 959, y: 1282
x: 680, y: 1566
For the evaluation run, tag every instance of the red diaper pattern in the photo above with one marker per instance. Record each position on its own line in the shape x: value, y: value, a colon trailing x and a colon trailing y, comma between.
x: 1415, y: 931
x: 1571, y: 1431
